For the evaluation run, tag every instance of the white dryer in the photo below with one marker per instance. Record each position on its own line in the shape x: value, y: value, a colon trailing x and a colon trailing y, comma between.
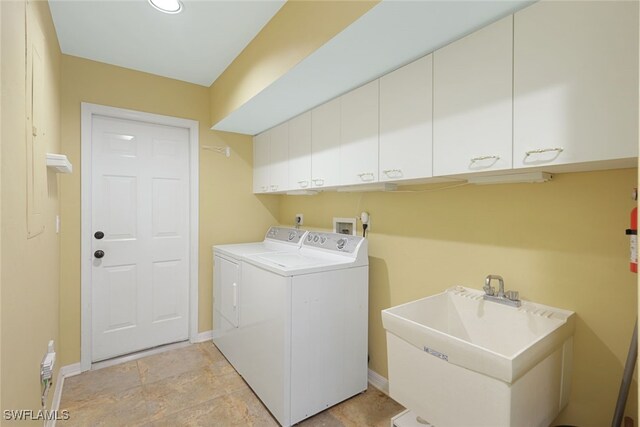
x: 228, y: 284
x: 304, y: 323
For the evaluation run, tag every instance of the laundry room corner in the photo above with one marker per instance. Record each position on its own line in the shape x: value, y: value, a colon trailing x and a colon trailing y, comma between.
x: 227, y: 209
x: 561, y: 243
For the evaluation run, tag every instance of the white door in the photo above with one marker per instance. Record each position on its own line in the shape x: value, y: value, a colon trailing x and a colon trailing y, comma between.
x: 406, y: 110
x: 472, y: 102
x: 300, y: 151
x: 325, y: 144
x: 359, y: 135
x: 261, y: 162
x: 140, y: 202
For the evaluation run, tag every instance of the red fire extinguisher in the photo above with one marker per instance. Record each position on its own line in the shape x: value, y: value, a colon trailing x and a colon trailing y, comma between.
x: 633, y: 235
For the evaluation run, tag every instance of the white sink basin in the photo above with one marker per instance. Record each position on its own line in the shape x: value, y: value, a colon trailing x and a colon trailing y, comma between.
x: 474, y: 346
x: 494, y: 339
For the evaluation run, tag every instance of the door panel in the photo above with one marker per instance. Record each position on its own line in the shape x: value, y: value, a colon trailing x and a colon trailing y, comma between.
x: 140, y: 199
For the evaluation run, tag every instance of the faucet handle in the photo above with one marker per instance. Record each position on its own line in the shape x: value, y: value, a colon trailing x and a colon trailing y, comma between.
x: 489, y: 290
x: 512, y: 295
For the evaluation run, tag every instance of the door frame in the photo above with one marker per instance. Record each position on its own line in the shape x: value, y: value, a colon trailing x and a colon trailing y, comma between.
x: 88, y: 111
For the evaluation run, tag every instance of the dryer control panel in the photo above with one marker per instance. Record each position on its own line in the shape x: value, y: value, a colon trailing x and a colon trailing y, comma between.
x: 332, y: 241
x: 284, y: 234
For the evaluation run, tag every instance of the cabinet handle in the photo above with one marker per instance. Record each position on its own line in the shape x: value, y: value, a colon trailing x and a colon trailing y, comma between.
x: 544, y: 150
x: 395, y: 172
x: 303, y: 184
x: 235, y: 295
x: 274, y: 187
x: 478, y: 159
x: 363, y: 174
x: 264, y: 188
x: 319, y: 182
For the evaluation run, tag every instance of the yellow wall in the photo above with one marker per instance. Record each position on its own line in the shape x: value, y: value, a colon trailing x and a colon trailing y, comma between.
x: 30, y: 267
x: 297, y: 30
x: 560, y: 243
x: 228, y: 210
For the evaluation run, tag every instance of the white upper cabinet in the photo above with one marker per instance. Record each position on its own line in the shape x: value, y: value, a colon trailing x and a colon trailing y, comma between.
x: 261, y: 164
x: 325, y: 144
x: 359, y: 135
x: 406, y: 111
x: 279, y: 158
x: 472, y: 116
x: 300, y: 152
x: 575, y: 82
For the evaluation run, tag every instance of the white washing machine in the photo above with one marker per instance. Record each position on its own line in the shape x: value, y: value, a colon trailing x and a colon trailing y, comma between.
x: 227, y: 285
x: 304, y: 324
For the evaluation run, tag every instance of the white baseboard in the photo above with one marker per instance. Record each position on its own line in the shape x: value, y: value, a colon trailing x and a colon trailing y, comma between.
x: 378, y: 381
x: 202, y: 337
x: 64, y: 372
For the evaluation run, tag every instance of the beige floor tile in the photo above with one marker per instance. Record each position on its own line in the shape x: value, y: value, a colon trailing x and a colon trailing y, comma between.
x: 371, y: 408
x: 188, y: 389
x: 126, y: 408
x: 172, y: 363
x: 235, y: 409
x: 194, y: 386
x: 89, y: 384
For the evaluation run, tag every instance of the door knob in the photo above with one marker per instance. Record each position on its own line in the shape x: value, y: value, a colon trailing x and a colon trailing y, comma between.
x: 98, y: 254
x: 98, y: 235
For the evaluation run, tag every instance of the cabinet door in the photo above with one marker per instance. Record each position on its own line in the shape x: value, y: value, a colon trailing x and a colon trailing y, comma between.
x: 261, y: 162
x: 226, y: 290
x: 406, y: 101
x: 279, y: 158
x: 575, y: 82
x: 300, y: 152
x: 472, y: 106
x: 359, y: 135
x: 325, y: 144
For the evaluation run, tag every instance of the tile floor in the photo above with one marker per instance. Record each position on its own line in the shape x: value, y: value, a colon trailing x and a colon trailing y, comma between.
x: 194, y: 386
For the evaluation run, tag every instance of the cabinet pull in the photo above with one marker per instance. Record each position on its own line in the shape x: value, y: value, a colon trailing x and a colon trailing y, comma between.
x: 478, y: 159
x: 319, y: 182
x: 264, y: 188
x: 235, y: 295
x: 274, y: 187
x: 363, y: 174
x: 395, y: 172
x: 303, y: 184
x: 544, y: 150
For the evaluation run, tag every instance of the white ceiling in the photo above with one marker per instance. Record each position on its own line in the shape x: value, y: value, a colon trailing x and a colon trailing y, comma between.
x: 198, y: 44
x: 195, y: 45
x: 391, y: 34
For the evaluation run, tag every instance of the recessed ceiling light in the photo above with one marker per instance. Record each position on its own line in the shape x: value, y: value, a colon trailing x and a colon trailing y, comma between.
x: 167, y: 6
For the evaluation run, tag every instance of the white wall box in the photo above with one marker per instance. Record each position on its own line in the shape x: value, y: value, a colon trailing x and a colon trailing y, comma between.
x: 576, y: 83
x: 300, y: 152
x: 325, y: 144
x: 359, y: 135
x: 472, y: 89
x: 261, y: 163
x: 406, y: 110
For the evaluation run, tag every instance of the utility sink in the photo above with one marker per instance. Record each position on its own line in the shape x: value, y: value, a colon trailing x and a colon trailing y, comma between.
x: 456, y: 359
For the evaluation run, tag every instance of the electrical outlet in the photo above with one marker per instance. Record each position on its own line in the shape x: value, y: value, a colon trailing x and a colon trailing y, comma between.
x: 299, y: 219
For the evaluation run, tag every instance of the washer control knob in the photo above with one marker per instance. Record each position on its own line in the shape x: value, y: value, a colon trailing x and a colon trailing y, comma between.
x: 292, y: 235
x: 341, y: 243
x: 316, y: 238
x: 309, y: 237
x: 322, y: 240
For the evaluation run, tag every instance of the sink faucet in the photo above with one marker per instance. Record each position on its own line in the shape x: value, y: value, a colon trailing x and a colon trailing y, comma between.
x: 511, y: 298
x: 489, y: 290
